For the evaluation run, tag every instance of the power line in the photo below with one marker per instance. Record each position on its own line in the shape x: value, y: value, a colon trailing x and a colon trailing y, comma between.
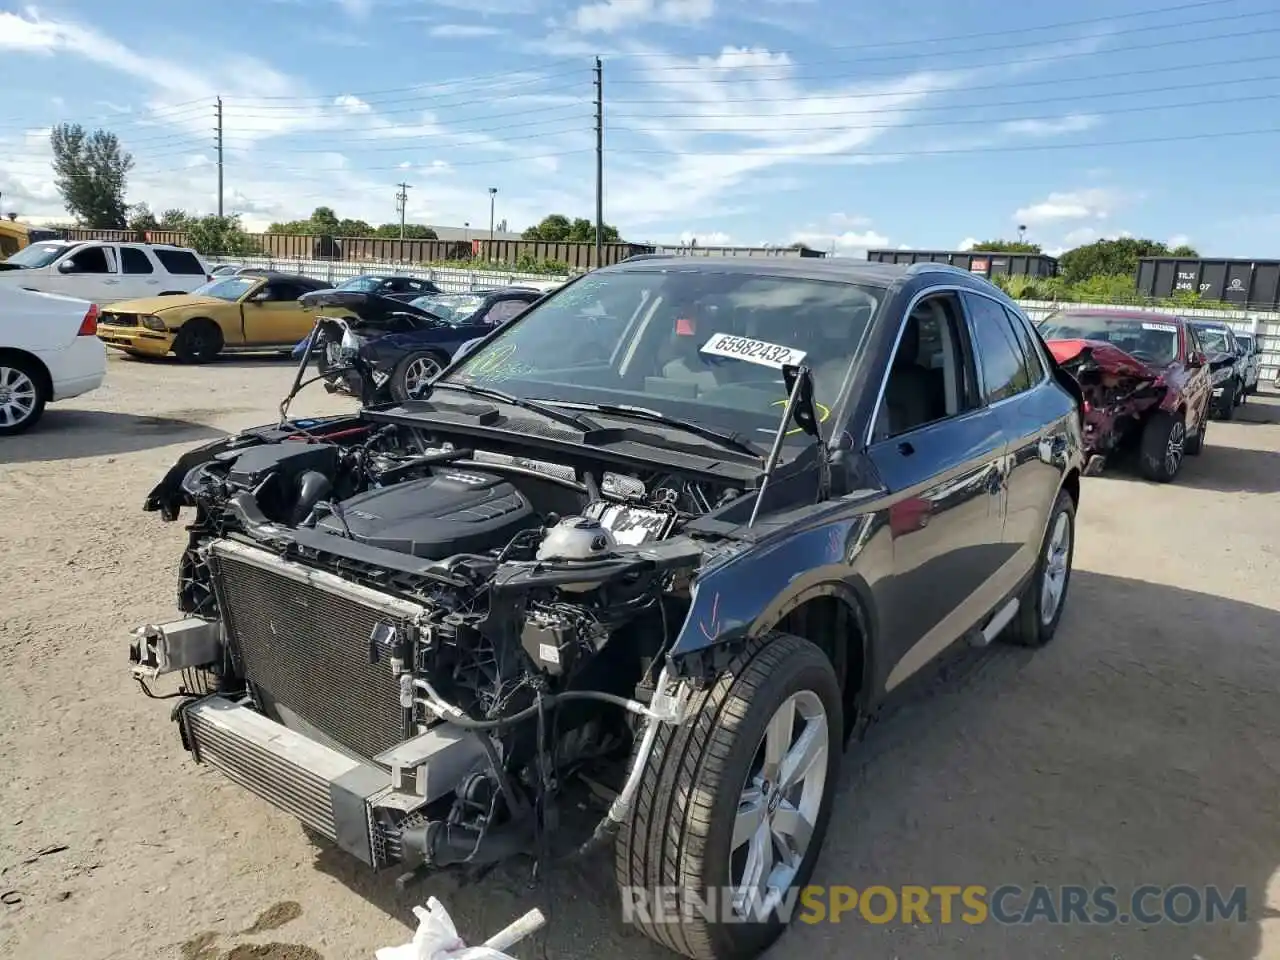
x: 969, y: 88
x: 1021, y: 61
x: 1015, y: 31
x: 729, y: 129
x: 218, y: 131
x: 1145, y: 29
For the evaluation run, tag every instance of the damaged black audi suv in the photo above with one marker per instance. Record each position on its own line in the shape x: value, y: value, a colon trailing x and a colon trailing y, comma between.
x: 659, y: 547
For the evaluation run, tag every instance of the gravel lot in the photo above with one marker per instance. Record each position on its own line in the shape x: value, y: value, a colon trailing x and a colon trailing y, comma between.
x: 1142, y: 746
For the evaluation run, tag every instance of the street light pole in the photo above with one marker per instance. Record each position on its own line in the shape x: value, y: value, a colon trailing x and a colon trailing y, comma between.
x: 493, y: 192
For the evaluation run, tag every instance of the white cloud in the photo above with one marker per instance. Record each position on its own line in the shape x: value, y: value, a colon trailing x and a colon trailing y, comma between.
x: 1095, y: 203
x: 850, y: 243
x: 1071, y: 123
x: 1178, y: 240
x: 351, y: 103
x: 611, y: 16
x: 706, y: 238
x: 464, y: 31
x: 968, y: 243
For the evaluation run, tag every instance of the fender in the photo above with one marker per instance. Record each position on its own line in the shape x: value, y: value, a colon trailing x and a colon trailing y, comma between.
x: 783, y: 572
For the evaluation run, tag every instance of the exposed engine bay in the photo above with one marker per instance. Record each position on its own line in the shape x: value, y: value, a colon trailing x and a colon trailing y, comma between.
x: 451, y: 634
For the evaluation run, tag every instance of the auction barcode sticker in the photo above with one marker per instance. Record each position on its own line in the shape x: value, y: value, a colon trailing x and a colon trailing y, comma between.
x: 753, y: 351
x: 1163, y: 327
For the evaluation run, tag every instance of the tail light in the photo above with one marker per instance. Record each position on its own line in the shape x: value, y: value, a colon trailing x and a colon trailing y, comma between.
x: 89, y: 325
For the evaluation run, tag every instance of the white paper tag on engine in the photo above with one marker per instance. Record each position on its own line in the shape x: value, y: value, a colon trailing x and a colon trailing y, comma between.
x: 630, y: 525
x: 762, y: 352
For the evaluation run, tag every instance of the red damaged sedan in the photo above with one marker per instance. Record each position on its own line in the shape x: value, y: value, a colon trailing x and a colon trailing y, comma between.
x: 1146, y: 383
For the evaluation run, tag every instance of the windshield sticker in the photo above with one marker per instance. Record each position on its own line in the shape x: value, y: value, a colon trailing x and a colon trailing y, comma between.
x: 1163, y: 327
x: 753, y: 351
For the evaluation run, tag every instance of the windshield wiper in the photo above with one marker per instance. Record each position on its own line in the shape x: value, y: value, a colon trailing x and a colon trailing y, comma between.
x: 551, y: 413
x: 734, y: 441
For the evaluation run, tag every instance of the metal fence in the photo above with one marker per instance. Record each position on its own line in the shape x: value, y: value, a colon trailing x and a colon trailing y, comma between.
x: 1266, y: 323
x: 447, y: 278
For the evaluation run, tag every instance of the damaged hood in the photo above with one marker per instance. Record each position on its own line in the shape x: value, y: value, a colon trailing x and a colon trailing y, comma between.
x: 1073, y: 355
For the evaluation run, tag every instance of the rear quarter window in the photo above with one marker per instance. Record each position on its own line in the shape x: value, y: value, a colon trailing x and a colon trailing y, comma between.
x: 180, y: 262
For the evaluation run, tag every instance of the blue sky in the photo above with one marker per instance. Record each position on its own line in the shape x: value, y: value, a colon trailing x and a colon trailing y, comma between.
x: 755, y: 121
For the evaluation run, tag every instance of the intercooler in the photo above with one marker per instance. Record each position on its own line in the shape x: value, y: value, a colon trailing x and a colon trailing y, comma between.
x: 303, y: 640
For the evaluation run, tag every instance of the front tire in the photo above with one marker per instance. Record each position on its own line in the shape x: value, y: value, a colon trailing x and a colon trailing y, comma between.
x: 1164, y: 439
x: 22, y: 395
x: 199, y: 341
x: 1043, y: 599
x: 734, y: 804
x: 413, y: 372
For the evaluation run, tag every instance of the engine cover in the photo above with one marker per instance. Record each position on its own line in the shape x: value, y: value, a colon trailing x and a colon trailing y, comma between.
x: 435, y: 517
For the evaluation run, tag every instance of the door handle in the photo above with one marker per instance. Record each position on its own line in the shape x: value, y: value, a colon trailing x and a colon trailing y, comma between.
x: 905, y: 448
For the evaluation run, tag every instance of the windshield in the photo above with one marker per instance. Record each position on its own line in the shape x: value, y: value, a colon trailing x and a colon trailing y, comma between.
x: 361, y: 284
x: 1153, y: 341
x: 1214, y: 339
x: 38, y: 254
x: 454, y: 308
x: 226, y: 288
x: 693, y: 344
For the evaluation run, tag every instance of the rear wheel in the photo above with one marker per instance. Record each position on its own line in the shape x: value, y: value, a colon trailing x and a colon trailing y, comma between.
x: 734, y: 804
x: 22, y: 395
x: 413, y: 373
x: 1164, y: 440
x: 199, y: 341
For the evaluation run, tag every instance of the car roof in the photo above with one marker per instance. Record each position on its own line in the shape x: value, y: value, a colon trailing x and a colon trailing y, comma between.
x: 843, y: 269
x: 1121, y: 314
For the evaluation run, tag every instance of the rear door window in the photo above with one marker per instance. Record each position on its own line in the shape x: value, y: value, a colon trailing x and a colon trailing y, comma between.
x: 133, y: 260
x: 1004, y: 368
x: 181, y: 263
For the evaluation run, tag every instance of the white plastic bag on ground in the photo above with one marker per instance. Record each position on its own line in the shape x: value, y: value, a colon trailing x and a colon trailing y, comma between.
x: 437, y: 939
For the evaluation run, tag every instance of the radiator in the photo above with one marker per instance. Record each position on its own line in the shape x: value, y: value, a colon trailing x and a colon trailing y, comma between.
x: 301, y: 638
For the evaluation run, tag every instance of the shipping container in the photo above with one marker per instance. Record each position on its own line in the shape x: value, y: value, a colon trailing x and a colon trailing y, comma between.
x: 1255, y: 283
x: 985, y: 263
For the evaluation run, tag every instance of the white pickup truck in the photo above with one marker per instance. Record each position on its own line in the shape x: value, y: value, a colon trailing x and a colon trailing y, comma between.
x: 102, y: 271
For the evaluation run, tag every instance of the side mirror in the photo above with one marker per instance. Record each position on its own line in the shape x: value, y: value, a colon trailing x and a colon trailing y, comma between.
x: 67, y: 266
x: 1196, y: 360
x: 258, y: 297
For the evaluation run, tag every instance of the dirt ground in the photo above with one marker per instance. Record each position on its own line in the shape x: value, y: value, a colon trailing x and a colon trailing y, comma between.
x: 1142, y: 746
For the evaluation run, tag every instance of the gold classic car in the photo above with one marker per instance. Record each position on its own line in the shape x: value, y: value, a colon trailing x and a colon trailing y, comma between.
x: 242, y: 312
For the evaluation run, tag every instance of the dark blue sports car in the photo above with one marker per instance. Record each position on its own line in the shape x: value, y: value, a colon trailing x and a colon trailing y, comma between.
x: 401, y: 345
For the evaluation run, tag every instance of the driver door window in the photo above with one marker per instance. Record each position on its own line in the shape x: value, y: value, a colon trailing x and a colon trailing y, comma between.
x: 94, y: 260
x: 931, y: 375
x: 274, y: 315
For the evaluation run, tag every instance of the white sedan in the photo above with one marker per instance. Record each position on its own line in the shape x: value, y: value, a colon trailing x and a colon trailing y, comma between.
x: 49, y: 350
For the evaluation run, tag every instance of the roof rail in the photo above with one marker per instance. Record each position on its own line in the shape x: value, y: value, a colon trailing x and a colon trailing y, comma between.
x: 645, y: 256
x: 929, y: 266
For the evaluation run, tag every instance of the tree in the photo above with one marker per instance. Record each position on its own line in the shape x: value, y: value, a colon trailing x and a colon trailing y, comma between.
x: 91, y: 173
x: 1113, y: 257
x: 1006, y: 246
x: 141, y: 219
x: 412, y: 231
x: 174, y: 219
x: 557, y: 228
x: 216, y: 236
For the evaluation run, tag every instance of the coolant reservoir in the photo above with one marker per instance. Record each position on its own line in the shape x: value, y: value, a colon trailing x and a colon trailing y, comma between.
x: 577, y: 538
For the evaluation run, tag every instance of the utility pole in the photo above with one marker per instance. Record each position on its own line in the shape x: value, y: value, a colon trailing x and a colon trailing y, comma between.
x: 218, y: 132
x: 402, y: 202
x: 493, y: 192
x: 599, y: 164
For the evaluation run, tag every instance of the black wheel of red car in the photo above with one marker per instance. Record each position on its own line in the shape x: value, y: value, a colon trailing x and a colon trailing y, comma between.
x: 734, y: 804
x: 413, y: 372
x: 1163, y: 446
x: 1194, y: 444
x: 1043, y: 599
x: 199, y: 341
